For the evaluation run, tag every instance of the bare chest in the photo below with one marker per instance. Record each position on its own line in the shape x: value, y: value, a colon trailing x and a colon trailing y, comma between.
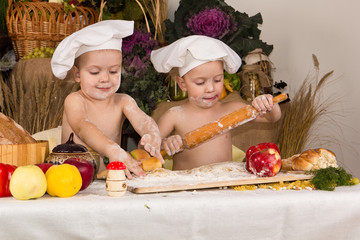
x: 214, y: 150
x: 109, y: 122
x: 191, y: 121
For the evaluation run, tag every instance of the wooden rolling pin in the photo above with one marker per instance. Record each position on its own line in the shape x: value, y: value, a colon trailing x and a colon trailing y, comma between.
x: 223, y: 125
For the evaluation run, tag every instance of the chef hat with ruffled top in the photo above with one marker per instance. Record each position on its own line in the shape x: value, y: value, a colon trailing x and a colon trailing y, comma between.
x: 99, y: 36
x: 190, y: 52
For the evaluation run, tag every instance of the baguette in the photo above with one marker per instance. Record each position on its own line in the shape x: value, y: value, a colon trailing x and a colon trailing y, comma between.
x: 13, y: 133
x: 311, y: 159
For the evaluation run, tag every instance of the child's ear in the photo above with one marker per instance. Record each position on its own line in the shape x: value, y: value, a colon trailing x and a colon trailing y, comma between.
x: 181, y: 82
x: 76, y: 74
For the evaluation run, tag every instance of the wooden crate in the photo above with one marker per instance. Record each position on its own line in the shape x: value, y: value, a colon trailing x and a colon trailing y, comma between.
x: 24, y: 154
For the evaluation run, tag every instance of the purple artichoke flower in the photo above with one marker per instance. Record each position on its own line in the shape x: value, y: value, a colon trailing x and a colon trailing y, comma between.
x: 211, y: 22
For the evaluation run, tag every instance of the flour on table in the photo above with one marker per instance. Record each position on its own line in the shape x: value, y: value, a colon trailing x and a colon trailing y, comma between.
x: 225, y: 171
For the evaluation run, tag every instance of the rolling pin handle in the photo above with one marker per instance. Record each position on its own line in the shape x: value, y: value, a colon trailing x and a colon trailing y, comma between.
x: 281, y: 97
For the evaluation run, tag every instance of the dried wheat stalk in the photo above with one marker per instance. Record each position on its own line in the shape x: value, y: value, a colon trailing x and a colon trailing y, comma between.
x: 102, y: 5
x: 303, y: 111
x: 37, y: 108
x: 157, y: 10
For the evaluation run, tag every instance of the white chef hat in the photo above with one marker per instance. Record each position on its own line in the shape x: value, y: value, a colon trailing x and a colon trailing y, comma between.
x: 99, y: 36
x: 190, y: 52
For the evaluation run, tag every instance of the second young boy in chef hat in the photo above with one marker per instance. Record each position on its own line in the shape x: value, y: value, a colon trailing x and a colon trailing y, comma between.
x: 200, y: 62
x: 96, y: 113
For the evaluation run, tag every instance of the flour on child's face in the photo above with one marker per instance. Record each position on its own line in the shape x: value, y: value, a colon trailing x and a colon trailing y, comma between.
x: 203, y: 103
x: 100, y: 73
x: 204, y: 84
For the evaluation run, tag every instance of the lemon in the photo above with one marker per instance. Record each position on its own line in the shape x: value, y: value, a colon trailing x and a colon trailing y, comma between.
x: 27, y: 182
x: 63, y: 180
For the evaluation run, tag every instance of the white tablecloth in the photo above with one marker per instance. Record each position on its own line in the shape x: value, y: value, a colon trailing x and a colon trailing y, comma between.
x: 204, y: 214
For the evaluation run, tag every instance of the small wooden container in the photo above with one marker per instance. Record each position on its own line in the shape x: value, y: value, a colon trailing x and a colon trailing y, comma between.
x: 116, y: 180
x: 24, y: 154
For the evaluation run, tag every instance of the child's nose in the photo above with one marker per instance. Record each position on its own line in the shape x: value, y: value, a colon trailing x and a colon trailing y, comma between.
x: 105, y: 77
x: 209, y: 87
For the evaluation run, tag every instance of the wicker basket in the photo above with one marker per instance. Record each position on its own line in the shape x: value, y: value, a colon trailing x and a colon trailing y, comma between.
x: 41, y: 24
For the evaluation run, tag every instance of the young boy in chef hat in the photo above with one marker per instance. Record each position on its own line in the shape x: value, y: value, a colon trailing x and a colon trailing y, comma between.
x: 96, y: 112
x: 200, y: 62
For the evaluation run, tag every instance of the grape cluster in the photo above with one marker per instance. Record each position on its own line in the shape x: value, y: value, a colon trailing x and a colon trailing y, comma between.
x: 42, y: 52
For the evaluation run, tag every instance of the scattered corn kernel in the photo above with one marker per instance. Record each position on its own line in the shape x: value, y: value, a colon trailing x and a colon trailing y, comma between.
x: 355, y: 181
x: 296, y: 185
x: 244, y: 187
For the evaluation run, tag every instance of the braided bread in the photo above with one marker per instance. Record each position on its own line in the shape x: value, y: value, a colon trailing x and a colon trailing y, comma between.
x: 13, y: 133
x: 311, y: 159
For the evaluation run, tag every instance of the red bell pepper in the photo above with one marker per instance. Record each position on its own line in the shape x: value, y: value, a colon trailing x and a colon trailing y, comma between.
x: 6, y: 171
x: 261, y: 146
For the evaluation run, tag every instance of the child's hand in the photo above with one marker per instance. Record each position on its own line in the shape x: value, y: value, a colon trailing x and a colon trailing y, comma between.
x: 119, y: 154
x: 133, y: 166
x: 263, y: 103
x: 172, y: 144
x: 152, y: 145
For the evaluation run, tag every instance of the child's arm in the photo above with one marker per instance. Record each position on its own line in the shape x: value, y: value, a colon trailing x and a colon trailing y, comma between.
x: 89, y: 133
x: 269, y: 112
x: 171, y: 144
x: 145, y: 126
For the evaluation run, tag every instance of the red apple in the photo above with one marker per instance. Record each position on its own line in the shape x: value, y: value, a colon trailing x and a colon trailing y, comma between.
x: 44, y: 166
x: 261, y: 146
x: 85, y: 168
x: 265, y: 163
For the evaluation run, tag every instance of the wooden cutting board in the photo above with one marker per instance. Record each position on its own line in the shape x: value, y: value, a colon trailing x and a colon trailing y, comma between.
x: 288, y: 176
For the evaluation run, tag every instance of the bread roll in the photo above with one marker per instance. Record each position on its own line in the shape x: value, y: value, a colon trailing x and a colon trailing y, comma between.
x: 311, y: 159
x: 149, y: 164
x: 13, y: 133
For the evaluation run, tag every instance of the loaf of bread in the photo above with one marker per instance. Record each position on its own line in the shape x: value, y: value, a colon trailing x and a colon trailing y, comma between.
x: 13, y: 133
x: 311, y: 159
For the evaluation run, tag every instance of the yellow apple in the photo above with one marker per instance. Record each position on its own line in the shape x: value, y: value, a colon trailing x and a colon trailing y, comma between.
x: 28, y: 182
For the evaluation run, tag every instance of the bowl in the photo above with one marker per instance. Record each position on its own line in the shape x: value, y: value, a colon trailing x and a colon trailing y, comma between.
x: 59, y: 158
